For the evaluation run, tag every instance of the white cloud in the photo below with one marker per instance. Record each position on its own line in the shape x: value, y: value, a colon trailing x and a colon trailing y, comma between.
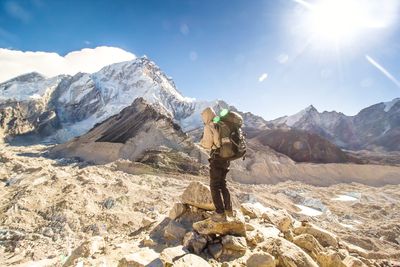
x: 282, y: 58
x: 263, y: 77
x: 14, y: 62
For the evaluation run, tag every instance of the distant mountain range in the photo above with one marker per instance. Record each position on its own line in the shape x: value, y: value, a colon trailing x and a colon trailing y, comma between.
x: 374, y: 128
x: 38, y: 109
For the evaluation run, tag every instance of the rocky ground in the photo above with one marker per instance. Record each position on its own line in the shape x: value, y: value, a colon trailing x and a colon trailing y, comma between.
x: 63, y: 212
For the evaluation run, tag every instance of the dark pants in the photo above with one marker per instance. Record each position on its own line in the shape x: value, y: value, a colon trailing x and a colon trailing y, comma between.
x: 218, y: 170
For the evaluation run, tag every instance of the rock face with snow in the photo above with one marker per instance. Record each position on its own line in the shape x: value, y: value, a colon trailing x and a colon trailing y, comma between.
x: 375, y: 127
x: 25, y: 105
x: 67, y: 106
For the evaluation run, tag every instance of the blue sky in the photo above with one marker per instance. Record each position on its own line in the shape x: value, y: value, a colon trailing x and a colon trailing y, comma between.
x: 261, y: 56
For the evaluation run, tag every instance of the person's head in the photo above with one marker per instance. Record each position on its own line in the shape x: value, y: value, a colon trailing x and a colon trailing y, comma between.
x: 207, y: 115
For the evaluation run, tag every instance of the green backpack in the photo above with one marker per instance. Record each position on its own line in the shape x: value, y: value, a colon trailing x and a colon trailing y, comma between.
x: 233, y: 141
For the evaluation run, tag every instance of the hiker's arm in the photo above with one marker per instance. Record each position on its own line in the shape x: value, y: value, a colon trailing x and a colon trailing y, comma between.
x: 207, y: 141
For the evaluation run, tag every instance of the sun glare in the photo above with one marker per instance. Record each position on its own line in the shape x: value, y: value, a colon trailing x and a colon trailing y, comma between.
x: 345, y: 21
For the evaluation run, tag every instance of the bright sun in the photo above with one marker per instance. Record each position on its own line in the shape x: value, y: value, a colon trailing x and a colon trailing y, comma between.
x: 344, y: 21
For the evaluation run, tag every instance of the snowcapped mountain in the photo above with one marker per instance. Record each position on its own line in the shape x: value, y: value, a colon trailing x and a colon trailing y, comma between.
x: 87, y: 99
x: 72, y: 105
x: 376, y: 127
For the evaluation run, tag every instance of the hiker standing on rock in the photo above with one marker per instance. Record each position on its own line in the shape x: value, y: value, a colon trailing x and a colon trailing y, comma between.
x: 222, y: 134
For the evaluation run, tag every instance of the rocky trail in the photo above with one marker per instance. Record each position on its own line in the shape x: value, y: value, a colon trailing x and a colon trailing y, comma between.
x: 64, y: 212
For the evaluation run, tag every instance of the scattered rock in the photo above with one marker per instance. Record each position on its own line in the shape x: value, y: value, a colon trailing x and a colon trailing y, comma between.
x: 108, y: 203
x: 235, y: 226
x: 255, y: 237
x: 324, y: 237
x: 141, y: 258
x: 237, y: 243
x: 324, y: 257
x: 280, y: 218
x: 191, y: 260
x: 47, y: 231
x: 250, y: 227
x: 253, y: 210
x: 198, y: 195
x: 215, y: 250
x: 86, y: 249
x: 351, y: 261
x: 261, y: 259
x: 355, y: 249
x: 169, y: 255
x: 177, y: 210
x: 287, y: 253
x: 194, y: 242
x: 148, y: 242
x: 174, y: 231
x: 146, y: 222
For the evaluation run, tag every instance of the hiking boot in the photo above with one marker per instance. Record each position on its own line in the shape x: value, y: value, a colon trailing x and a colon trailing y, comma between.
x: 218, y: 217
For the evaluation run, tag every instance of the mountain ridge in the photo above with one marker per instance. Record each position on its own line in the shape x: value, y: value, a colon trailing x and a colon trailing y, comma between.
x: 372, y: 128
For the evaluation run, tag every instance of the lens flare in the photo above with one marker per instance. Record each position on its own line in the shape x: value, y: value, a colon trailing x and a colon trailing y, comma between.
x: 345, y: 21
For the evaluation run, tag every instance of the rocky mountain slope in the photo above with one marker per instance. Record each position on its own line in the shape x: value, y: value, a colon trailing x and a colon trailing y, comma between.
x: 264, y: 165
x: 375, y: 128
x: 302, y: 146
x: 136, y: 130
x: 69, y: 213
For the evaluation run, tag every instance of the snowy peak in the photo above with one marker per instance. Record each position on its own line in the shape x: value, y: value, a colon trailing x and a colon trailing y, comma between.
x: 139, y: 69
x: 26, y: 78
x: 309, y: 111
x: 31, y: 86
x: 310, y: 108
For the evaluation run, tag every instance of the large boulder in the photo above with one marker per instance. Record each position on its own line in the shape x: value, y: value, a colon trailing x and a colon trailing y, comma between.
x: 280, y: 218
x: 324, y: 237
x: 198, y: 195
x: 235, y: 226
x: 261, y: 259
x: 324, y: 257
x: 237, y: 243
x: 177, y: 210
x: 174, y: 232
x: 141, y: 258
x: 191, y: 260
x: 287, y: 253
x: 169, y: 255
x: 194, y: 242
